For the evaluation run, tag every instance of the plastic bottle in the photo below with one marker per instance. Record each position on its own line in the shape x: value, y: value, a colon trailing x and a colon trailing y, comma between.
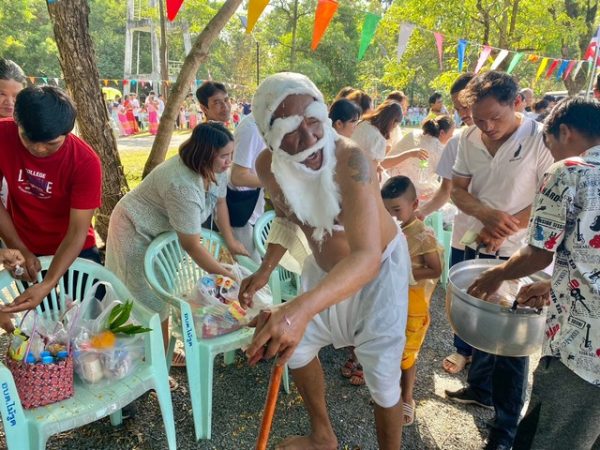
x: 62, y: 355
x: 30, y: 359
x: 48, y: 359
x: 423, y: 172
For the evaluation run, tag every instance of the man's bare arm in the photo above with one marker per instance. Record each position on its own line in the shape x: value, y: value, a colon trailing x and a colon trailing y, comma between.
x: 439, y: 199
x: 244, y: 177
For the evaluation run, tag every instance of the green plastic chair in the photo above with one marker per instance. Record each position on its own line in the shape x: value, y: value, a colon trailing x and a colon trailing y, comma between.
x: 289, y: 281
x: 173, y: 274
x: 30, y: 429
x: 444, y: 237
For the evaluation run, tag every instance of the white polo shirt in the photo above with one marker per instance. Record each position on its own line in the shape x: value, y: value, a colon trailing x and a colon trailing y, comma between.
x: 444, y: 170
x: 507, y: 181
x: 248, y: 144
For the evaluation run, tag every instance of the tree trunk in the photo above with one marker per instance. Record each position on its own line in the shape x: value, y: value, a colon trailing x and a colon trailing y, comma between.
x: 185, y: 78
x: 294, y: 29
x: 78, y: 64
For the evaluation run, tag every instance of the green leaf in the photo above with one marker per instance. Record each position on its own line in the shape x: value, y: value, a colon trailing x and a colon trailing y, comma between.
x: 131, y: 329
x: 122, y: 317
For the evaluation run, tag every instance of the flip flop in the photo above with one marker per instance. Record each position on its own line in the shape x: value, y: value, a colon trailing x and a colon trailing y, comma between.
x: 178, y: 359
x: 357, y: 378
x: 348, y: 368
x: 458, y: 361
x: 408, y: 411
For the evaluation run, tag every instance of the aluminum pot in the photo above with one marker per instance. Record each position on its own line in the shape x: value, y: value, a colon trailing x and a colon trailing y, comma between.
x: 487, y: 326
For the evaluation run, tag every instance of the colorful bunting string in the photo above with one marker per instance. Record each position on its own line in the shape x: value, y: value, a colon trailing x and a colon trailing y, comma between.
x: 323, y: 15
x: 368, y: 31
x: 255, y: 9
x: 485, y: 53
x: 462, y: 46
x: 439, y: 43
x: 406, y: 30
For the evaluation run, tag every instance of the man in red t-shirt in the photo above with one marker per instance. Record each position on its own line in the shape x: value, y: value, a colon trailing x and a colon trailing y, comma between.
x: 54, y: 183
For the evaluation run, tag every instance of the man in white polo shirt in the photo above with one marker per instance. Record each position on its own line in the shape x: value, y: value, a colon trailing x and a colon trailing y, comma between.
x: 245, y: 196
x: 501, y: 160
x: 455, y: 362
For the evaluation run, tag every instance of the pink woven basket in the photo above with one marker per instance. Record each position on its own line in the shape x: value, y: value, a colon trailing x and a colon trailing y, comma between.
x: 42, y: 384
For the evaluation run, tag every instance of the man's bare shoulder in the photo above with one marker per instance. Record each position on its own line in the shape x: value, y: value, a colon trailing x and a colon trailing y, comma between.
x: 352, y: 163
x: 263, y: 164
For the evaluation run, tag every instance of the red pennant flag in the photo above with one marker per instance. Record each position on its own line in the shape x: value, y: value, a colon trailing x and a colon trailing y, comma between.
x: 125, y: 82
x: 552, y: 68
x: 325, y: 11
x: 569, y: 69
x: 439, y: 42
x: 173, y: 7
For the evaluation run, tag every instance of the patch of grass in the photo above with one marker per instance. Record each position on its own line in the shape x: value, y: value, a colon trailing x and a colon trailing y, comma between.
x: 133, y: 163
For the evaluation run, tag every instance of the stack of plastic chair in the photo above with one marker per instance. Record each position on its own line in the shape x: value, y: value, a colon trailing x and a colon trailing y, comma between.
x: 30, y: 429
x: 289, y: 281
x: 173, y: 274
x: 444, y: 237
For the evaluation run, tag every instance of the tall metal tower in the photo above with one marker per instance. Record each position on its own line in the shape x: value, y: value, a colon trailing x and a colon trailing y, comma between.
x: 137, y: 26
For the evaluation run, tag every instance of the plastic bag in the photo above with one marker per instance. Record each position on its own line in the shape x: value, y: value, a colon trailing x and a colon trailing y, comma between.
x: 218, y: 310
x: 100, y: 355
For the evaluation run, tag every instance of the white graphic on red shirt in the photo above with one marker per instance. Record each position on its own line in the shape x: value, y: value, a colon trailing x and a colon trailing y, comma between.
x: 34, y: 183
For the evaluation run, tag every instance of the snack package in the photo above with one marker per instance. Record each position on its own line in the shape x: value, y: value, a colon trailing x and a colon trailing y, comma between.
x: 217, y: 309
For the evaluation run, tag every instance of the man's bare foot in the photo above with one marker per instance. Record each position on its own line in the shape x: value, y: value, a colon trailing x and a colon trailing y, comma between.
x: 455, y: 362
x: 307, y: 443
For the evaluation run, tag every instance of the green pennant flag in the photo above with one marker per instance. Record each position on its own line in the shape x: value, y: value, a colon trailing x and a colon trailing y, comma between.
x: 368, y: 31
x: 514, y: 62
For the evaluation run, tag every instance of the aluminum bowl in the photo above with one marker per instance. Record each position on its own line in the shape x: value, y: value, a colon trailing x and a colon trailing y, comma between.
x: 487, y: 326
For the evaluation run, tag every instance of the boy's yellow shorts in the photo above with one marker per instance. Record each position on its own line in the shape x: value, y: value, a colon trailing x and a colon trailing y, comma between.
x: 417, y: 324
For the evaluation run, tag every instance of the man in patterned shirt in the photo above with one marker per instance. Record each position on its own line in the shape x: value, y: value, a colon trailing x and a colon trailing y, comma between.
x: 564, y: 411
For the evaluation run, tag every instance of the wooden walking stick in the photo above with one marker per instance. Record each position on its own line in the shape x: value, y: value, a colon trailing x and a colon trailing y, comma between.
x: 270, y: 405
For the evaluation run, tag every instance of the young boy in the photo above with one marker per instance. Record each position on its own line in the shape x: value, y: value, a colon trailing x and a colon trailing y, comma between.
x: 400, y: 199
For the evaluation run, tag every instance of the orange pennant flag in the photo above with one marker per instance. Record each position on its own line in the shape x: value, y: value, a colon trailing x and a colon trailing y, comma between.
x: 255, y: 9
x: 105, y: 82
x: 32, y: 79
x: 533, y: 58
x: 325, y: 11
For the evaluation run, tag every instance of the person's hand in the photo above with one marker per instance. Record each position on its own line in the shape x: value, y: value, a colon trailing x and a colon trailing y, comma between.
x: 29, y: 299
x: 249, y: 286
x: 237, y: 248
x: 31, y: 266
x: 422, y: 154
x: 535, y: 295
x: 6, y: 322
x: 419, y: 215
x: 278, y: 332
x: 499, y: 223
x: 491, y: 243
x: 11, y: 259
x: 488, y: 283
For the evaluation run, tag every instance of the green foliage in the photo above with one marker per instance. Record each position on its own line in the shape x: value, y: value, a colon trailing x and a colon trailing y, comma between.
x: 118, y: 318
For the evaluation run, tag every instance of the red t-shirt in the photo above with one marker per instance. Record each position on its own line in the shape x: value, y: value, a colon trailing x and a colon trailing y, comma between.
x: 42, y: 191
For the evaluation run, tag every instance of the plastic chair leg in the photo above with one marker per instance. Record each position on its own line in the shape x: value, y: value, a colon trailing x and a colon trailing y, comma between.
x: 229, y: 357
x: 164, y: 400
x: 205, y: 388
x: 193, y: 372
x: 116, y: 418
x: 170, y: 352
x: 286, y: 380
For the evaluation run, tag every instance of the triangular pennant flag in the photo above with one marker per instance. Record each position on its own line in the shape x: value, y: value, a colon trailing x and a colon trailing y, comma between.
x: 32, y: 79
x: 105, y: 82
x: 501, y: 57
x: 368, y: 31
x: 462, y: 46
x: 56, y: 81
x: 45, y: 80
x: 483, y: 57
x: 133, y: 82
x: 255, y: 9
x: 540, y: 70
x: 514, y: 61
x: 244, y: 21
x: 533, y: 58
x: 569, y: 69
x: 125, y: 82
x: 323, y: 15
x: 562, y: 69
x: 552, y: 68
x: 439, y: 43
x: 173, y: 8
x: 404, y: 34
x: 577, y: 69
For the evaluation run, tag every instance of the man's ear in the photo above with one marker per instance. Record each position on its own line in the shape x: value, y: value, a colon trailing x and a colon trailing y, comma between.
x: 564, y: 132
x: 416, y: 203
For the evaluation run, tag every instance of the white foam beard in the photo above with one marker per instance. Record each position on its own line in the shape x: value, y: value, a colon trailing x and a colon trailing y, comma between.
x: 313, y: 195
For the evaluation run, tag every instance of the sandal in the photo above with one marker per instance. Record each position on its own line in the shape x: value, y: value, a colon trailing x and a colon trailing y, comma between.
x: 408, y: 411
x: 349, y: 367
x: 456, y: 361
x: 178, y: 359
x: 357, y: 377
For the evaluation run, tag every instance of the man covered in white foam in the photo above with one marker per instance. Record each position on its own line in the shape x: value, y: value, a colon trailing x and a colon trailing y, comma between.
x: 355, y: 283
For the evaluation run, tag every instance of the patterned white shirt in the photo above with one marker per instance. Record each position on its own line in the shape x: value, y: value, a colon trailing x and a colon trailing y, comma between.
x: 566, y: 220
